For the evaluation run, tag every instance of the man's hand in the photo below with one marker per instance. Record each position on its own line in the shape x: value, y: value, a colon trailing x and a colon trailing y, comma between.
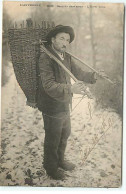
x: 78, y: 87
x: 101, y: 74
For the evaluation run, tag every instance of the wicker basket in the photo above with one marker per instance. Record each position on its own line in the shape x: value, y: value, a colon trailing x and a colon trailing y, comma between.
x: 24, y: 48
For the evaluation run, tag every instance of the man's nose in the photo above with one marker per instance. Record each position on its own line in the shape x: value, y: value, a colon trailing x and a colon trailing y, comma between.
x: 65, y: 44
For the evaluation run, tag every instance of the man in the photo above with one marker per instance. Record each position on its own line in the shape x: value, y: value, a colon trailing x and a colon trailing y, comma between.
x: 54, y: 97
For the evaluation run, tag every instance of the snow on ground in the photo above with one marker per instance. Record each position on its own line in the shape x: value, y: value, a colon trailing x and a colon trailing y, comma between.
x: 94, y: 145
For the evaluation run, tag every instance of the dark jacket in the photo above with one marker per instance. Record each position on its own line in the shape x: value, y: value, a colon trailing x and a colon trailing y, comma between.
x: 54, y: 87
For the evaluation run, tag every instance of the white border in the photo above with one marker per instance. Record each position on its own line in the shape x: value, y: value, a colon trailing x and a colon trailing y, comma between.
x: 71, y: 190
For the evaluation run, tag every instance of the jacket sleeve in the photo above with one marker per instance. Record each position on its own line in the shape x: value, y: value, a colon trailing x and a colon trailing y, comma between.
x: 58, y: 91
x: 82, y: 75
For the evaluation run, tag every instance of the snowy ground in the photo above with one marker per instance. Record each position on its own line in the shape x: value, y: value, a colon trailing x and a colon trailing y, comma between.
x: 94, y: 145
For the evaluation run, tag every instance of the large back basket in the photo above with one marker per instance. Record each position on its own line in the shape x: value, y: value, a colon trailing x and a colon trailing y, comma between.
x: 25, y: 51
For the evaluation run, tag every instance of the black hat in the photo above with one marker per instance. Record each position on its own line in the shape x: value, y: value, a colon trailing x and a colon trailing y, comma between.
x: 58, y: 29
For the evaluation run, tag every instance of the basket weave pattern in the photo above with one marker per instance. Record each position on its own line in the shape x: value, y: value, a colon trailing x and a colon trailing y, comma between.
x: 24, y: 48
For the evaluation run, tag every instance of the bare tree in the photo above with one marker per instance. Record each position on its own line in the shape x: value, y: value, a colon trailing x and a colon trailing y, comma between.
x: 92, y: 36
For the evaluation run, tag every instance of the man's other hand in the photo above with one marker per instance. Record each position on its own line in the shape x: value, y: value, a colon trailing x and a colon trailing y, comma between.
x: 101, y: 74
x: 78, y: 87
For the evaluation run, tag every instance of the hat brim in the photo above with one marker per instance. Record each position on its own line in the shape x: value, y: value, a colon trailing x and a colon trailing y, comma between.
x: 59, y: 29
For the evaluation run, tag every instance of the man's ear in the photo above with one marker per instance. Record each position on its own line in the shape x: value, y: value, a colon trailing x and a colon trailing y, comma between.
x: 52, y: 39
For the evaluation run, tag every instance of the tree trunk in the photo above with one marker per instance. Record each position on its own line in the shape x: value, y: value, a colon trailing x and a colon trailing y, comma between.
x: 92, y: 37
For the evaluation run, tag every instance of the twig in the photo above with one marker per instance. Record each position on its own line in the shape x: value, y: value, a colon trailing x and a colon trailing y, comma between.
x: 90, y: 149
x: 89, y: 107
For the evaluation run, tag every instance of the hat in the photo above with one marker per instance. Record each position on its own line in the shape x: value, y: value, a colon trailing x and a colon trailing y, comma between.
x: 59, y: 29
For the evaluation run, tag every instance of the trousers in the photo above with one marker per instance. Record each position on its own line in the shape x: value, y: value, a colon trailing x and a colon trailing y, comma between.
x: 57, y: 130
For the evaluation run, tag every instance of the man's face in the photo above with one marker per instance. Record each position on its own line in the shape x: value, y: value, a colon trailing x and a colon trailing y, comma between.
x: 61, y: 41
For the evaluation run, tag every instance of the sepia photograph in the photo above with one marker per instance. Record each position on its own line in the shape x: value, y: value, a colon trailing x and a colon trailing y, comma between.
x: 62, y: 84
